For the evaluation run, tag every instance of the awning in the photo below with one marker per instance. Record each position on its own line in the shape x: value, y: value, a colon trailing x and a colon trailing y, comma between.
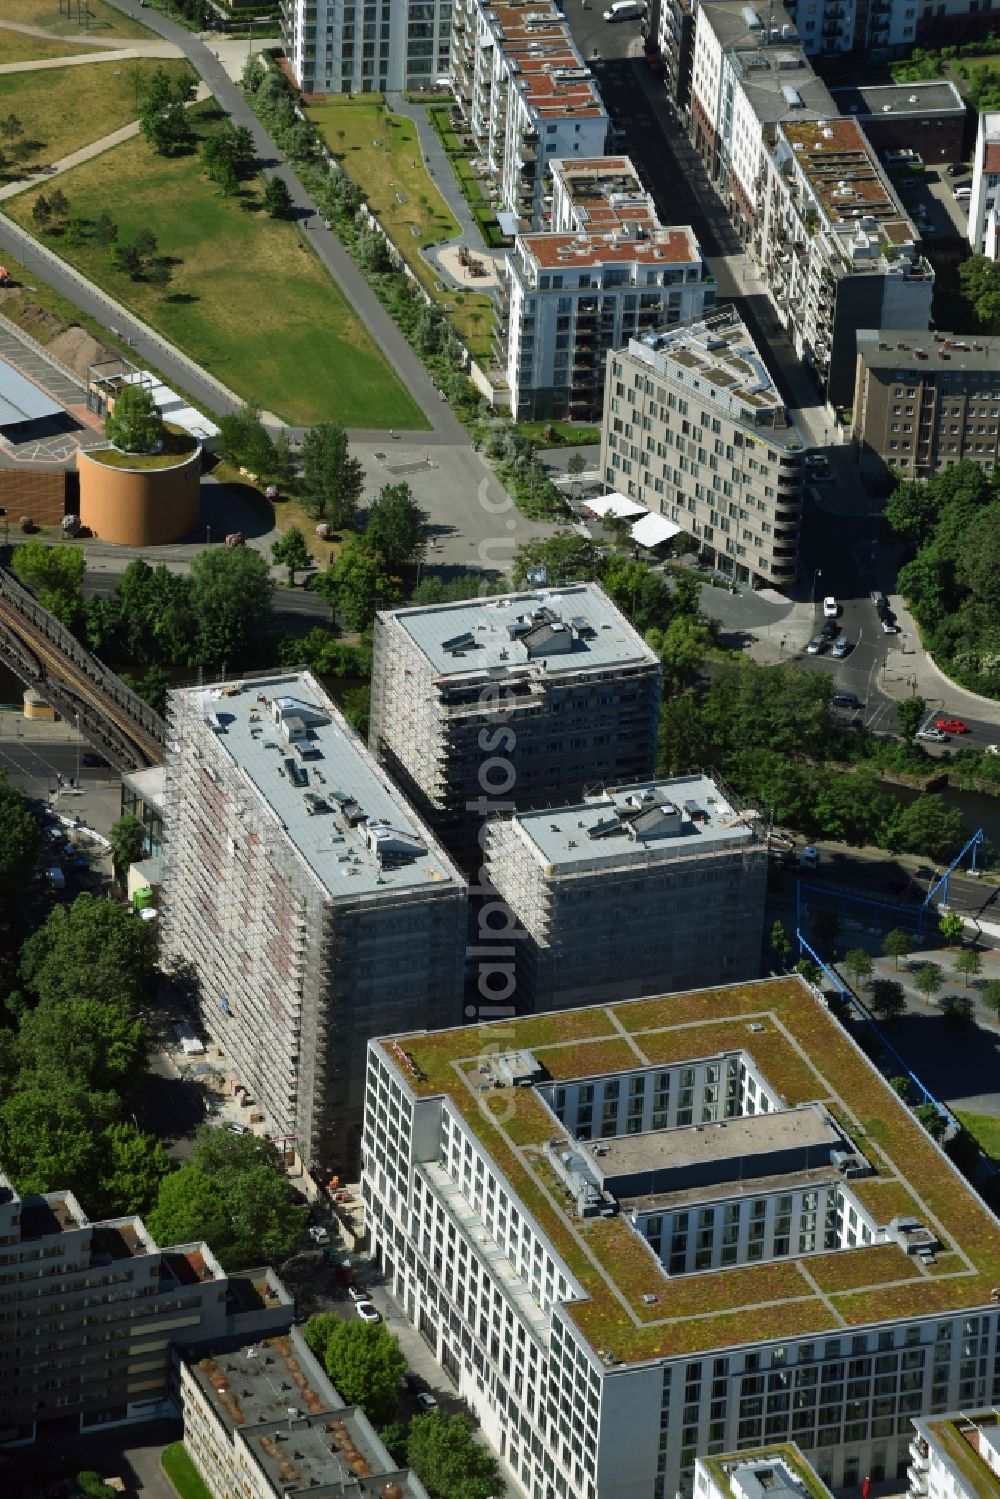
x: 508, y: 224
x: 617, y: 505
x: 653, y: 529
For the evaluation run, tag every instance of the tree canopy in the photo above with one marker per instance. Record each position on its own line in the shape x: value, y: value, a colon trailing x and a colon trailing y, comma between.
x: 90, y: 947
x: 357, y: 584
x: 231, y: 591
x: 364, y: 1361
x: 135, y: 424
x: 448, y: 1462
x: 54, y: 573
x: 20, y: 845
x: 396, y: 527
x: 292, y: 550
x: 332, y: 481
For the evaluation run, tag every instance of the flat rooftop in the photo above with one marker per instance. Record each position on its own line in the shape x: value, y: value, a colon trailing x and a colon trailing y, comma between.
x: 348, y: 822
x: 842, y: 169
x: 779, y: 1471
x: 516, y: 631
x: 634, y: 236
x: 551, y: 75
x: 55, y: 1213
x: 300, y: 1431
x: 729, y: 20
x: 697, y: 1145
x: 940, y: 96
x: 21, y: 400
x: 969, y: 1443
x: 150, y: 784
x: 806, y: 1057
x: 928, y: 353
x: 718, y: 356
x: 672, y: 819
x: 780, y: 84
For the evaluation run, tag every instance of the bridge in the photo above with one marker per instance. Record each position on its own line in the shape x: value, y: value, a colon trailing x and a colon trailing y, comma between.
x: 44, y: 654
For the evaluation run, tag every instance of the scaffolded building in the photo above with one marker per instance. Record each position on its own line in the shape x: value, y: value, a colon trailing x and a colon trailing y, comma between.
x: 307, y: 899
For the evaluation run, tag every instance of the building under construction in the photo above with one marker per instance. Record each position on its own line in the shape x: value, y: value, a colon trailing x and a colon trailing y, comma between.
x: 305, y: 895
x: 640, y: 888
x: 495, y: 704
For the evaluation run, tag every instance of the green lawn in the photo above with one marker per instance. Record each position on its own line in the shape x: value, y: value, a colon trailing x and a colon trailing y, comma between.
x: 104, y: 20
x: 18, y: 46
x: 62, y: 109
x: 394, y: 169
x: 986, y: 1129
x: 248, y: 300
x: 182, y: 1472
x: 565, y: 434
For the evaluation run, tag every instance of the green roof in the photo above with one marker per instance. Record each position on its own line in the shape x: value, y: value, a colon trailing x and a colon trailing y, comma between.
x: 807, y: 1057
x: 788, y: 1453
x: 947, y: 1434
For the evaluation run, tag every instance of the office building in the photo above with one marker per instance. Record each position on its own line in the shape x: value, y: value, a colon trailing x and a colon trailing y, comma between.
x: 955, y: 1456
x: 644, y: 1232
x: 637, y: 889
x: 984, y: 204
x: 770, y: 1472
x: 695, y: 428
x: 263, y: 1422
x: 495, y: 704
x: 928, y: 118
x: 527, y: 96
x: 339, y: 47
x: 91, y: 1311
x: 306, y: 898
x: 926, y: 401
x: 603, y: 270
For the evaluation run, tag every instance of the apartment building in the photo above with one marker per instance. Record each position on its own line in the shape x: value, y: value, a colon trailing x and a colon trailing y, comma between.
x: 642, y: 1232
x: 984, y: 205
x: 305, y: 896
x: 927, y: 117
x: 262, y: 1421
x: 495, y: 704
x: 345, y: 47
x: 527, y: 96
x: 675, y: 27
x: 91, y: 1311
x: 695, y: 428
x: 636, y: 889
x: 604, y: 269
x: 770, y: 1472
x: 839, y: 251
x: 926, y: 401
x: 956, y: 1456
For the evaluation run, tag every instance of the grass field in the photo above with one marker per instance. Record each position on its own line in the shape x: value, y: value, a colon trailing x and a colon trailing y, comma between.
x: 248, y: 300
x: 63, y: 109
x: 986, y: 1129
x: 104, y: 20
x: 182, y: 1472
x: 17, y: 46
x: 393, y: 170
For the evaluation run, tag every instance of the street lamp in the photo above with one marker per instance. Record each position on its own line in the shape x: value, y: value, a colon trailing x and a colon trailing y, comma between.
x: 817, y: 574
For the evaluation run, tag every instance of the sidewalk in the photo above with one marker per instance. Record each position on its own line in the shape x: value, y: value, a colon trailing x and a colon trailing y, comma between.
x: 80, y: 40
x: 911, y: 670
x: 124, y: 53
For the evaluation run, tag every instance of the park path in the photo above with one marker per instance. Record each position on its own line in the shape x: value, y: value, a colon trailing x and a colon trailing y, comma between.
x: 113, y: 43
x: 85, y: 59
x: 85, y: 153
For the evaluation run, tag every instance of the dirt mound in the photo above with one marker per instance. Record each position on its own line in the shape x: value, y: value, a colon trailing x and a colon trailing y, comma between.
x: 77, y: 349
x: 72, y: 345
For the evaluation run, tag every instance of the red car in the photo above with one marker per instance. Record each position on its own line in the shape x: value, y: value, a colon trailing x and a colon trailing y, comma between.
x: 951, y: 725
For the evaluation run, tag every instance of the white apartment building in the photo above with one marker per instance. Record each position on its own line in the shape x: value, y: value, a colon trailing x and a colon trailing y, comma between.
x: 984, y: 205
x: 636, y: 889
x: 487, y: 705
x: 695, y: 428
x: 632, y: 1235
x: 838, y: 249
x: 366, y: 46
x: 90, y: 1312
x: 605, y: 269
x: 770, y: 1472
x: 263, y: 1421
x: 956, y: 1456
x: 527, y: 95
x: 305, y: 897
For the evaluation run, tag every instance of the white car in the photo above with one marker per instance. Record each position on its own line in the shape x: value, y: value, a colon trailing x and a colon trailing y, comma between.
x: 318, y: 1234
x: 367, y: 1312
x: 936, y: 736
x: 830, y: 607
x: 357, y: 1294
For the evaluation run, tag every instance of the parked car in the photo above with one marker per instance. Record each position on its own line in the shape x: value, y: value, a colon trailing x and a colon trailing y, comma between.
x: 318, y: 1234
x: 809, y: 857
x: 889, y: 625
x: 236, y: 1129
x: 845, y: 700
x: 958, y: 169
x: 92, y: 758
x: 816, y: 460
x: 830, y: 607
x: 623, y: 10
x: 357, y: 1294
x: 963, y: 194
x: 841, y: 647
x: 427, y: 1401
x: 367, y: 1311
x: 951, y: 725
x: 937, y: 736
x: 830, y: 630
x: 816, y: 646
x: 822, y: 475
x: 878, y: 598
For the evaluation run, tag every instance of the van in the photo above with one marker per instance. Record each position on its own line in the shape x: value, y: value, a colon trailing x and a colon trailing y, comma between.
x: 962, y: 194
x: 623, y: 10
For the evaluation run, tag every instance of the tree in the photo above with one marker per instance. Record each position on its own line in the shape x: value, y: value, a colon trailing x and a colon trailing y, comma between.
x: 11, y: 127
x: 968, y: 963
x: 929, y: 826
x: 957, y: 1011
x: 91, y: 1485
x: 89, y: 947
x: 332, y: 481
x: 990, y: 995
x: 134, y: 1165
x: 50, y: 1135
x: 54, y: 574
x: 897, y: 944
x: 239, y: 431
x: 900, y: 1085
x: 41, y: 212
x: 146, y: 243
x: 933, y: 1121
x: 910, y: 712
x: 565, y: 557
x: 365, y: 1363
x: 929, y: 979
x: 188, y: 1207
x: 159, y: 275
x: 135, y: 424
x: 126, y: 258
x: 128, y: 841
x: 291, y: 550
x: 105, y: 230
x: 886, y: 999
x: 396, y: 527
x: 682, y: 648
x: 810, y: 971
x: 94, y: 1042
x: 951, y: 925
x: 356, y: 586
x: 979, y: 278
x: 58, y: 205
x: 20, y: 844
x: 779, y: 940
x: 858, y: 963
x: 231, y: 592
x: 448, y: 1462
x: 277, y: 198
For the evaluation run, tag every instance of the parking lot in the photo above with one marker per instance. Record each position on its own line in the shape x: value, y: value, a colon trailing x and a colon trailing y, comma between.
x: 929, y: 198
